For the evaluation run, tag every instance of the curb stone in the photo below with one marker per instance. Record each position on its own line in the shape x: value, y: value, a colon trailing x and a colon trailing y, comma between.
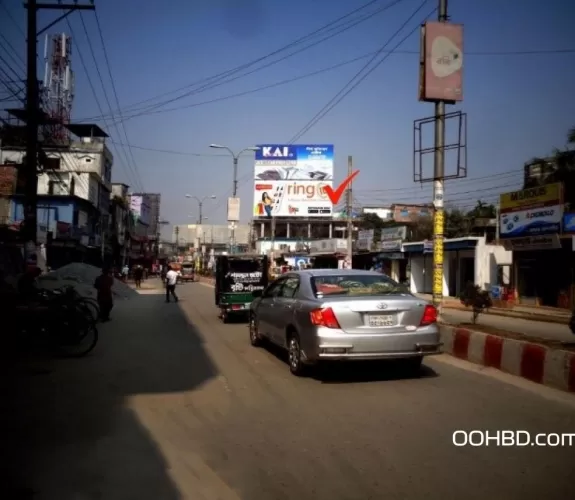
x: 540, y: 364
x: 528, y: 360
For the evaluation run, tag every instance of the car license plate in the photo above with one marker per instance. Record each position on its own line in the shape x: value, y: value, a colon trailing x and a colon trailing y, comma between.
x: 378, y: 320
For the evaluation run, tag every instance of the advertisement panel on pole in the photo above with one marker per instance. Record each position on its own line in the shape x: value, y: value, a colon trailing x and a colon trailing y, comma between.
x: 441, y: 62
x: 233, y: 209
x: 291, y: 199
x: 276, y: 162
x: 531, y: 212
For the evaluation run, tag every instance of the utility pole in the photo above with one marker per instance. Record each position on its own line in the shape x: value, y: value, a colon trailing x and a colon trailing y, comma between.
x: 200, y: 205
x: 235, y: 184
x: 32, y: 111
x: 349, y: 211
x: 438, y: 185
x: 33, y: 119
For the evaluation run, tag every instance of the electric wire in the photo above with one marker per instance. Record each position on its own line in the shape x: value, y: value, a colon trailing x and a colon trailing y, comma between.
x: 116, y: 99
x: 215, y: 81
x: 94, y: 93
x: 358, y: 78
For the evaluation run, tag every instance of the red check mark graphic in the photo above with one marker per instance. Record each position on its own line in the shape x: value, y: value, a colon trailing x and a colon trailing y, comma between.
x: 335, y: 195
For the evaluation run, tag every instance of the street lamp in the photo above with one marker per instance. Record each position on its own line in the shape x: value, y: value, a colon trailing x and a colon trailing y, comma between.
x: 235, y: 184
x: 235, y: 157
x: 201, y: 204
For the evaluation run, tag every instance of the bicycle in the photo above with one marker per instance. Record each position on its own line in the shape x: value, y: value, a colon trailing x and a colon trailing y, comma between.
x: 61, y: 320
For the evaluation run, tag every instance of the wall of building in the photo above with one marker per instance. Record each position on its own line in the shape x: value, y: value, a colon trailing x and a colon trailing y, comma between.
x: 384, y: 213
x: 263, y: 246
x: 189, y: 234
x: 486, y: 257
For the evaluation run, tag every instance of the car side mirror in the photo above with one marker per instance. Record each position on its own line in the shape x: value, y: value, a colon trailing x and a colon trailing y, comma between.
x: 257, y: 293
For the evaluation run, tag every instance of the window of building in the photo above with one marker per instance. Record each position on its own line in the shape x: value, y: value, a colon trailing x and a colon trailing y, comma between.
x: 404, y: 212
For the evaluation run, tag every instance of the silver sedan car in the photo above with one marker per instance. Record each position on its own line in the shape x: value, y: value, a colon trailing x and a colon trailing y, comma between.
x: 343, y: 314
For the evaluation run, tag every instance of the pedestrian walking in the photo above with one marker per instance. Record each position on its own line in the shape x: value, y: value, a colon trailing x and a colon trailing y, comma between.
x: 171, y: 280
x: 138, y: 275
x: 103, y: 285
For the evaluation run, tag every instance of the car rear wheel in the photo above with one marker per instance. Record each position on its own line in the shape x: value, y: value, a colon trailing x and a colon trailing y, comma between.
x: 255, y: 338
x: 295, y: 358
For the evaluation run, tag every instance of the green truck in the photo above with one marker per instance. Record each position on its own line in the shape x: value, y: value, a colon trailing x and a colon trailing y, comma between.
x: 237, y: 277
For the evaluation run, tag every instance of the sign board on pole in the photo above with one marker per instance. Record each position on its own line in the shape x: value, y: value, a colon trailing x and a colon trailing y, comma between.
x: 233, y: 209
x: 441, y: 62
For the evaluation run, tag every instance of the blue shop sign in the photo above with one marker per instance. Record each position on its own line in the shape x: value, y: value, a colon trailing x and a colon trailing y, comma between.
x: 569, y: 223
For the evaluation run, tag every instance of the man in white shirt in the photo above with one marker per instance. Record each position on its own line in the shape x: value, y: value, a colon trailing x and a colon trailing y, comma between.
x: 171, y: 280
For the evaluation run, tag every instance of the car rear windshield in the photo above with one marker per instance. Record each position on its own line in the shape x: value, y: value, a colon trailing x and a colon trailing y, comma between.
x: 356, y: 285
x: 245, y: 265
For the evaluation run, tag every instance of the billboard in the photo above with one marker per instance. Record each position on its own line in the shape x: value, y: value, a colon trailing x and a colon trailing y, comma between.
x: 140, y: 209
x: 294, y: 162
x: 441, y: 62
x: 290, y: 180
x: 291, y: 199
x: 233, y: 209
x: 531, y: 212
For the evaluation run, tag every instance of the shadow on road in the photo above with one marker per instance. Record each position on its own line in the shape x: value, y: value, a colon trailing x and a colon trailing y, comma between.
x: 66, y: 426
x: 357, y: 371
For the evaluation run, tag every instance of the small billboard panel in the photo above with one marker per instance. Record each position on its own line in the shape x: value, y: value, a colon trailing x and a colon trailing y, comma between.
x: 233, y: 209
x: 441, y: 62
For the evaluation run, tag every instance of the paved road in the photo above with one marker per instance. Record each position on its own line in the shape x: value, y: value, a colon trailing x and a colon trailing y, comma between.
x: 540, y: 329
x: 179, y: 406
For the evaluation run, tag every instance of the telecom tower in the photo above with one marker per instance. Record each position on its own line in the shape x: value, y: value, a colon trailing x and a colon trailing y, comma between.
x: 58, y: 83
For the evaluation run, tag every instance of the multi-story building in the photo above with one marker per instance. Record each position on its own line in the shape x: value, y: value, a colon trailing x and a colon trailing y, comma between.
x: 73, y: 193
x: 211, y: 236
x: 151, y: 203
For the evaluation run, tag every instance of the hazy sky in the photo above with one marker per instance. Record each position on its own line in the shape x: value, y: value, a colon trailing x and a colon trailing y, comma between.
x: 518, y: 106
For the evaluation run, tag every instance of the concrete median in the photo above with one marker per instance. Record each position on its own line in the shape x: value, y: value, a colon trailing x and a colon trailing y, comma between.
x: 550, y: 366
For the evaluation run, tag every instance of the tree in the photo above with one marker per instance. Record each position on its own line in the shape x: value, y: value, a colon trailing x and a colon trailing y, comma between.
x: 421, y: 228
x: 482, y: 211
x: 456, y: 223
x: 372, y: 221
x: 561, y: 169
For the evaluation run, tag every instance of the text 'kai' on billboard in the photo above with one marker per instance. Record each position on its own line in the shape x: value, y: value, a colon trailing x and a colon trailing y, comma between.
x: 290, y: 180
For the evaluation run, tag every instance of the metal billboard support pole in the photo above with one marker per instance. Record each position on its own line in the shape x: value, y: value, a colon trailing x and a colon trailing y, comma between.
x: 349, y: 209
x: 438, y: 185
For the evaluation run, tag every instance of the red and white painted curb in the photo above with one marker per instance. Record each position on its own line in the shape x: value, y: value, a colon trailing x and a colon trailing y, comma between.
x: 544, y: 365
x: 534, y: 362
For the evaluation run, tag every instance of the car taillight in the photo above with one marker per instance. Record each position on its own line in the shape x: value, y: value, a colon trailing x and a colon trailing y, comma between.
x: 429, y: 316
x: 324, y: 317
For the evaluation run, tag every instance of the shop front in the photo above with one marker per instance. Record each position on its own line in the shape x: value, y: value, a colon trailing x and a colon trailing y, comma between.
x: 466, y: 260
x: 530, y: 227
x: 391, y: 258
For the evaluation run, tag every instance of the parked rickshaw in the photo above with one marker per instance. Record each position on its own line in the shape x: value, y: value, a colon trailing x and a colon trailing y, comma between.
x: 237, y: 277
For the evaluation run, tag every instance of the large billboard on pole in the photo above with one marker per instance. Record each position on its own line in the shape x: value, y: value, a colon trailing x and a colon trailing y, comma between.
x: 290, y: 180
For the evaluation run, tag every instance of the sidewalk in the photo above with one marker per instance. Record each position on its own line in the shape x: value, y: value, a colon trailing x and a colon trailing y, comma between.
x: 544, y: 314
x: 76, y: 429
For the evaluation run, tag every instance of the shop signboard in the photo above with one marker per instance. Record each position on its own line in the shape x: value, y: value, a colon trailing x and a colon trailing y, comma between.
x: 569, y: 223
x: 364, y: 239
x: 531, y: 212
x: 544, y: 242
x: 290, y: 180
x: 390, y: 245
x: 333, y: 245
x: 394, y: 233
